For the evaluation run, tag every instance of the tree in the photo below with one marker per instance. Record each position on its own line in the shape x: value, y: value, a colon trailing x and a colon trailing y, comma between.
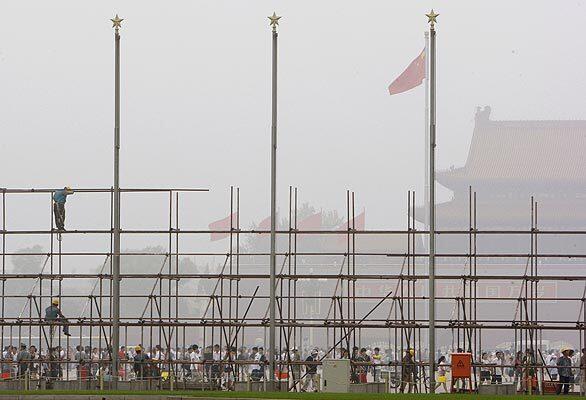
x: 24, y: 263
x: 260, y: 243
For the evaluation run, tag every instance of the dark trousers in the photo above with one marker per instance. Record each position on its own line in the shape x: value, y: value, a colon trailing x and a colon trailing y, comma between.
x: 59, y: 211
x: 140, y: 370
x: 65, y: 327
x: 216, y: 374
x: 406, y: 381
x: 565, y: 382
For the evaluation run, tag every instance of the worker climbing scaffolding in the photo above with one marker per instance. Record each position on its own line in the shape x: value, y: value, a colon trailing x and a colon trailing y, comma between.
x: 53, y: 314
x: 59, y: 199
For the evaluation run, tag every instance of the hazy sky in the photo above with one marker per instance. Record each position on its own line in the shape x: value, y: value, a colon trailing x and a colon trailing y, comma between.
x: 196, y: 97
x: 196, y: 104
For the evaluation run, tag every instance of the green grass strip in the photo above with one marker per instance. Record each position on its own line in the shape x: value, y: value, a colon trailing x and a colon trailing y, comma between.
x: 258, y: 395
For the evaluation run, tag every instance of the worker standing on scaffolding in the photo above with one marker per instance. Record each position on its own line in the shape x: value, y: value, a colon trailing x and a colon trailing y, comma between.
x: 408, y: 371
x: 54, y: 314
x: 59, y: 199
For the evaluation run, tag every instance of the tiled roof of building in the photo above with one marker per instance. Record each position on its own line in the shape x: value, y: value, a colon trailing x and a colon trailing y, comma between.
x: 522, y: 151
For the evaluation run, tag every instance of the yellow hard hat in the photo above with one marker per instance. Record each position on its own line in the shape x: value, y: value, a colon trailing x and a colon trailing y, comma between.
x: 55, y: 302
x: 138, y: 348
x: 411, y: 351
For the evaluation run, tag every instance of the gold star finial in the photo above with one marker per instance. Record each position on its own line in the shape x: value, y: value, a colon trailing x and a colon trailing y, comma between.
x: 431, y: 18
x: 274, y: 21
x: 116, y: 22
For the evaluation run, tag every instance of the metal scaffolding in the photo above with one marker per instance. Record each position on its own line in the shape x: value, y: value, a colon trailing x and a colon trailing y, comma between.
x: 332, y: 290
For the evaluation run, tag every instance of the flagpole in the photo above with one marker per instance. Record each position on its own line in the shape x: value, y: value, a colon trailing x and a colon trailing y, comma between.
x: 115, y: 343
x: 426, y: 134
x: 273, y: 262
x: 432, y: 20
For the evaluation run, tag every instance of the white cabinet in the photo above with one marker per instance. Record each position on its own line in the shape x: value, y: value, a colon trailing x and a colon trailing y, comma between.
x: 336, y: 375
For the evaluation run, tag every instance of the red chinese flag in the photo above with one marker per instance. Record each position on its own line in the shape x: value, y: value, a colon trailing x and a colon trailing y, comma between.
x: 222, y: 225
x: 411, y: 77
x: 311, y: 223
x: 265, y: 224
x: 357, y: 223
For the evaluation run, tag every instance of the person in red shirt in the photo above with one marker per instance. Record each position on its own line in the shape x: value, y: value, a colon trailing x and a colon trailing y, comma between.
x: 122, y: 359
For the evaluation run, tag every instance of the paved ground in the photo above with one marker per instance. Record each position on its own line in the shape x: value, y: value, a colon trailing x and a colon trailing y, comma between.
x: 55, y: 395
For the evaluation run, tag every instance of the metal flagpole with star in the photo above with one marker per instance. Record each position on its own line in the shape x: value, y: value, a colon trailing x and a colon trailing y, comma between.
x: 274, y: 22
x: 115, y: 343
x: 431, y: 19
x: 426, y: 134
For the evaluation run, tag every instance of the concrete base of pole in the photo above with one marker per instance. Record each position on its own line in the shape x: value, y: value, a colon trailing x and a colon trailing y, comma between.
x: 252, y: 386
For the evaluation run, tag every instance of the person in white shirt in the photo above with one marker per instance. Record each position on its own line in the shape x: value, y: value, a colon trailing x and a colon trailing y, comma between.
x: 216, y: 366
x: 553, y: 362
x: 499, y: 361
x: 158, y: 354
x: 35, y: 367
x: 95, y: 358
x: 7, y: 349
x: 158, y: 357
x: 260, y: 356
x: 195, y: 359
x: 485, y: 369
x: 189, y: 356
x: 441, y: 374
x: 259, y: 368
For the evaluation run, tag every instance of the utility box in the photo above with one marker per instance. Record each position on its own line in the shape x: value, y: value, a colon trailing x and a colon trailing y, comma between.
x: 336, y: 374
x: 461, y: 365
x: 461, y: 370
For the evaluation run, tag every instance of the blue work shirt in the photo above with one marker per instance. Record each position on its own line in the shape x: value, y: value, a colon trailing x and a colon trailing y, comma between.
x: 60, y: 196
x: 565, y: 366
x: 52, y: 313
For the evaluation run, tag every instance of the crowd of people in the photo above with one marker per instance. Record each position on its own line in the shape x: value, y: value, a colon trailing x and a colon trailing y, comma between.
x: 564, y: 367
x: 21, y: 361
x: 222, y: 367
x: 211, y: 364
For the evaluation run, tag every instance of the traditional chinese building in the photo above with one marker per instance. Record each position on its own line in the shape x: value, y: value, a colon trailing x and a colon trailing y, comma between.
x: 508, y: 162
